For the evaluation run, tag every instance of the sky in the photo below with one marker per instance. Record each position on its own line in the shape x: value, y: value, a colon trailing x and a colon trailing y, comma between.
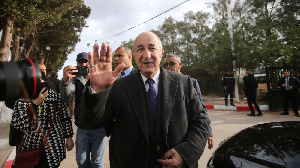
x: 108, y: 18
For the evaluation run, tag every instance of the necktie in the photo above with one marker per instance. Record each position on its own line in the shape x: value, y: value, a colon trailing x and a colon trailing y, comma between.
x: 287, y: 84
x: 122, y: 74
x: 152, y: 95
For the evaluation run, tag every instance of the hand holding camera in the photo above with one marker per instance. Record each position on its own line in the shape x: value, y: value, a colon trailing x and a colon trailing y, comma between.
x: 71, y: 72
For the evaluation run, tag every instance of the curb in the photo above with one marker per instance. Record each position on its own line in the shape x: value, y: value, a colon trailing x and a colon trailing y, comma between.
x: 9, y: 161
x: 223, y: 107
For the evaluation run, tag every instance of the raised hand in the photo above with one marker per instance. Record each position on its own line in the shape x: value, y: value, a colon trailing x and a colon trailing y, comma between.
x: 67, y: 73
x: 100, y: 68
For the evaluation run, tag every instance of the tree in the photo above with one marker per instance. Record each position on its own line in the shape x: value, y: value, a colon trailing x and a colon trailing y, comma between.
x: 30, y: 17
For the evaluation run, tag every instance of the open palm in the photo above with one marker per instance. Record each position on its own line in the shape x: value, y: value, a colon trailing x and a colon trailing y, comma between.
x: 101, y: 74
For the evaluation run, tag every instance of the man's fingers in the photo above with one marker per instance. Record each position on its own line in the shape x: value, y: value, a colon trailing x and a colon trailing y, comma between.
x: 168, y: 154
x: 91, y: 60
x: 103, y: 53
x: 165, y: 162
x: 109, y: 54
x: 118, y: 70
x: 96, y: 54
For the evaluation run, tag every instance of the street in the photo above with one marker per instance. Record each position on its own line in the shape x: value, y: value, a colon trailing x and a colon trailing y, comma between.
x: 224, y: 123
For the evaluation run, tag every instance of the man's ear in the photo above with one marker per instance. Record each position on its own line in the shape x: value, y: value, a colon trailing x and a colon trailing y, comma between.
x: 162, y: 52
x: 180, y: 65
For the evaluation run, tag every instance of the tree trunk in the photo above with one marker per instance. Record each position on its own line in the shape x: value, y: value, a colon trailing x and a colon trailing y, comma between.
x: 6, y: 40
x: 15, y: 52
x: 33, y: 45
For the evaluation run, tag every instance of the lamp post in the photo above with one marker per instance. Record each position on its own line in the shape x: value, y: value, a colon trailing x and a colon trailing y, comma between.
x: 236, y: 91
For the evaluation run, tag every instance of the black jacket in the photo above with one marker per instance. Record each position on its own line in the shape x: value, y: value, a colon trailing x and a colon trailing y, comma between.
x: 292, y: 82
x: 180, y: 123
x: 228, y: 81
x: 250, y: 86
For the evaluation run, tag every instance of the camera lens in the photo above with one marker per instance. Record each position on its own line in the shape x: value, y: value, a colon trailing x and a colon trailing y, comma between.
x: 19, y: 79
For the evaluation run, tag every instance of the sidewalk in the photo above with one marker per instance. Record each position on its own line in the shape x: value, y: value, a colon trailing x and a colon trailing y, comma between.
x: 218, y: 103
x: 211, y: 102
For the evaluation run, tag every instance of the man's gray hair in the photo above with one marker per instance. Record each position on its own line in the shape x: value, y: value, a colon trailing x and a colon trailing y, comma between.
x: 177, y: 58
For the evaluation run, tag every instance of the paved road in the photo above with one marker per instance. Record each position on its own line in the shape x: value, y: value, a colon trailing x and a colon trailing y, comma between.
x: 224, y: 124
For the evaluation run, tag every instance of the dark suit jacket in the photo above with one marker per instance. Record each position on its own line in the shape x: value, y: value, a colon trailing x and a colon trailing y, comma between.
x: 180, y: 123
x: 292, y: 82
x: 250, y: 87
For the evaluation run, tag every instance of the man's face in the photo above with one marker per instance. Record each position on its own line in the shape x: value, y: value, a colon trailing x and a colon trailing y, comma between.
x: 43, y: 68
x: 228, y: 73
x: 83, y: 62
x: 286, y: 74
x: 121, y: 56
x: 147, y: 54
x: 172, y: 64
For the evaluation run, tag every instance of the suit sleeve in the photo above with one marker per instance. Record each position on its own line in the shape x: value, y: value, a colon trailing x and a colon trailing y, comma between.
x: 297, y: 83
x: 280, y: 82
x: 92, y: 108
x: 197, y: 87
x: 192, y: 147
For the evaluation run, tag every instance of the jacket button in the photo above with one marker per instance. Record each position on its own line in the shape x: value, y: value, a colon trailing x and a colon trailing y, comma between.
x: 158, y: 147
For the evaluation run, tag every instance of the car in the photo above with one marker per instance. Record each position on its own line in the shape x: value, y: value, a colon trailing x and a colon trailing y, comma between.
x: 268, y: 145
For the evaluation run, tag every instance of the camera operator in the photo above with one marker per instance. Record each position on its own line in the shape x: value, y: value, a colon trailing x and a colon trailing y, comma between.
x: 15, y: 136
x: 92, y: 141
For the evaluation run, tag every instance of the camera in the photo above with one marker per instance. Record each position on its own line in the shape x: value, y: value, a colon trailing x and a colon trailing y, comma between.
x: 19, y: 80
x: 82, y: 71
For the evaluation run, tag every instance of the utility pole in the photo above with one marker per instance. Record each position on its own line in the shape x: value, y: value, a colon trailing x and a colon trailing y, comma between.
x: 229, y: 20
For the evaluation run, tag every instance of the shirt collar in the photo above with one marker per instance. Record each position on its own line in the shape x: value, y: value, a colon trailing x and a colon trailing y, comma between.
x: 155, y: 78
x: 128, y: 70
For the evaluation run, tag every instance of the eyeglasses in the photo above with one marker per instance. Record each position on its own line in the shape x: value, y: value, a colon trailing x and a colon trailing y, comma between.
x: 170, y: 64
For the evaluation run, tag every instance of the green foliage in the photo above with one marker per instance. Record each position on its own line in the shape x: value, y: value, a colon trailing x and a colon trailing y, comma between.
x: 56, y: 23
x: 265, y: 33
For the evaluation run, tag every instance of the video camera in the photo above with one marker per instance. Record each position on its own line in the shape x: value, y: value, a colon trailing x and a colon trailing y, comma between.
x: 19, y: 79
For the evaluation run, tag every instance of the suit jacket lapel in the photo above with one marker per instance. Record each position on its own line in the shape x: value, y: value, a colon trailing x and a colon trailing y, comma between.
x: 166, y: 95
x: 136, y: 97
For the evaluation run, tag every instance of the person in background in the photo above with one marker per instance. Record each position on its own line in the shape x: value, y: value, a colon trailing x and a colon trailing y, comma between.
x: 123, y: 55
x: 15, y: 136
x: 90, y: 143
x: 44, y: 119
x: 56, y: 82
x: 228, y: 83
x: 157, y: 116
x: 250, y: 89
x: 43, y: 68
x: 290, y: 90
x: 173, y: 63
